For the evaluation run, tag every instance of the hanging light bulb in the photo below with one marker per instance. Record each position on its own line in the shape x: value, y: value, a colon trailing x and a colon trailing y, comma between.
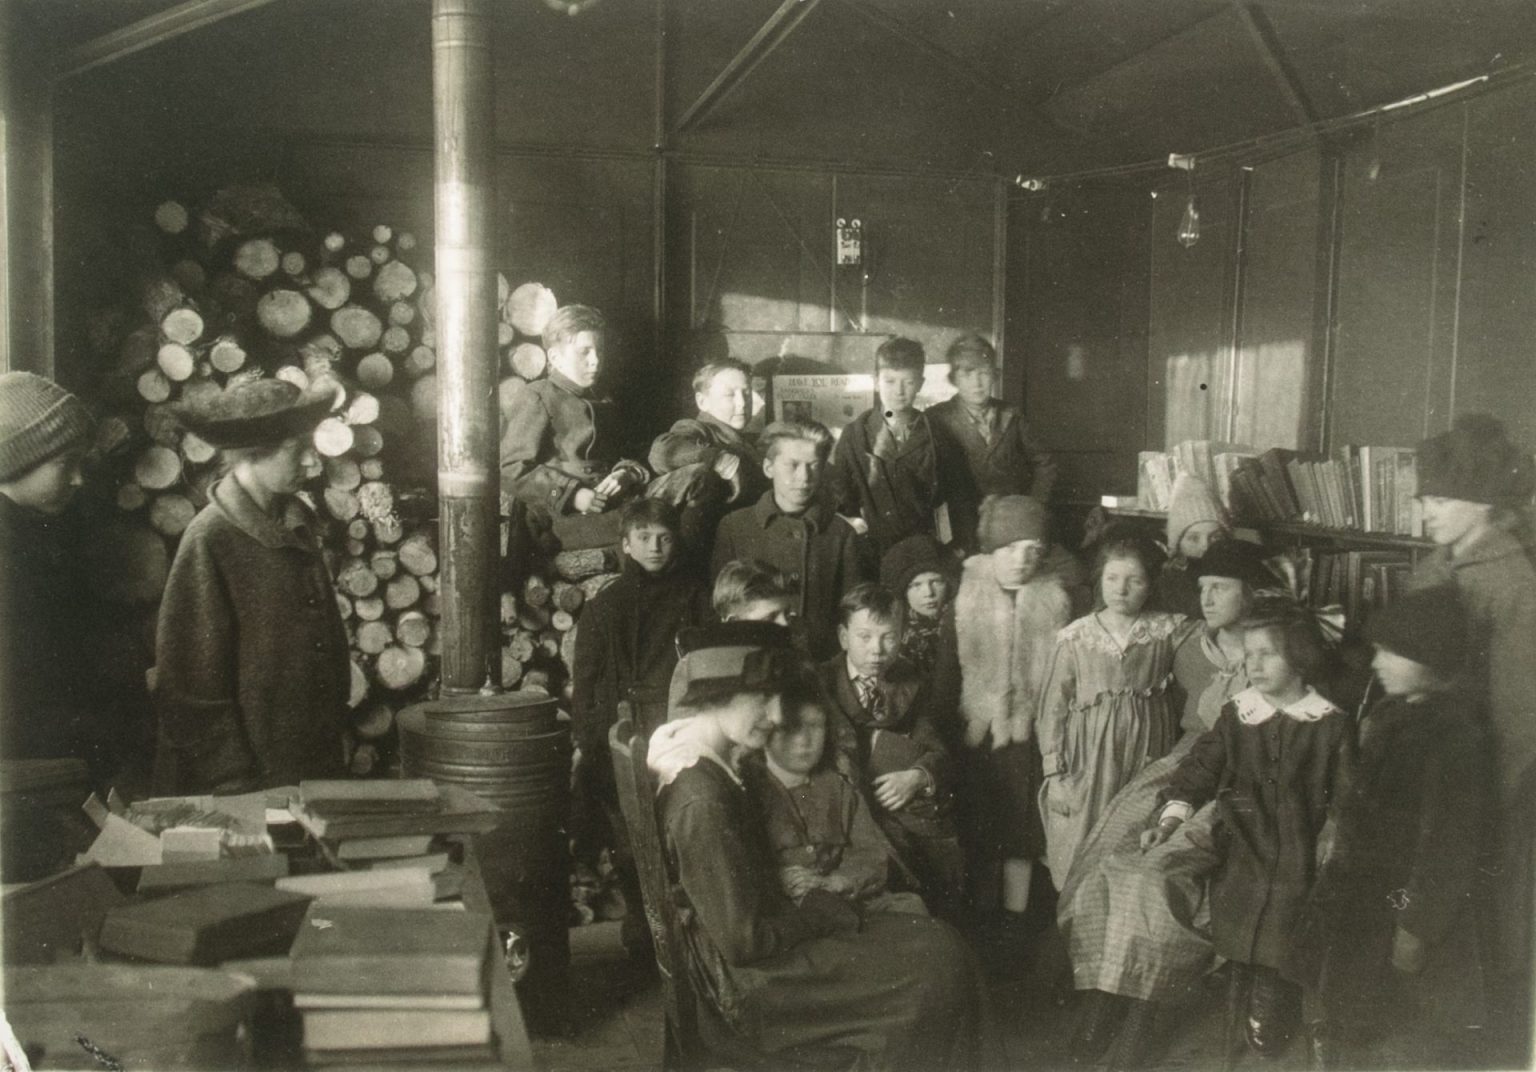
x: 1189, y: 226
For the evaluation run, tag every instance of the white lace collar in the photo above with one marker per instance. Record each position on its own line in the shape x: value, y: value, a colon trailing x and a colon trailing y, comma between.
x: 1150, y: 627
x: 1254, y: 710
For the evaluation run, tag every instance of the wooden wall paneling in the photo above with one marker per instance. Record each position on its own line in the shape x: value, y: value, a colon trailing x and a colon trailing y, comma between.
x: 1189, y: 328
x: 1397, y: 273
x: 1275, y: 348
x: 1496, y: 329
x: 1077, y: 307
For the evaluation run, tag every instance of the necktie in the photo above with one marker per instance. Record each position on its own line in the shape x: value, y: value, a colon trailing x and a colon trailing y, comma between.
x: 871, y: 698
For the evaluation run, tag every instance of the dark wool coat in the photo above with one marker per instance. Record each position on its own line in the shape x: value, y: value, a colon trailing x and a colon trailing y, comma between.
x: 628, y: 638
x: 558, y: 440
x: 893, y: 487
x: 1013, y: 463
x: 816, y: 550
x: 43, y: 703
x: 1273, y: 784
x: 1408, y: 852
x: 701, y: 440
x: 1497, y: 584
x: 251, y: 656
x: 895, y: 991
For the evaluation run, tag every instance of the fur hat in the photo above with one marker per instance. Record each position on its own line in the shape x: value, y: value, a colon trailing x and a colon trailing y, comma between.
x: 1428, y: 626
x: 1191, y: 502
x: 1006, y: 519
x: 720, y: 661
x: 38, y: 419
x: 915, y: 555
x: 1238, y: 559
x: 256, y: 414
x: 1475, y: 462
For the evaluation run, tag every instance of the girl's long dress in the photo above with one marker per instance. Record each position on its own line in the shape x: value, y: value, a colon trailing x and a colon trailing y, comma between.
x: 1105, y: 714
x: 1139, y: 924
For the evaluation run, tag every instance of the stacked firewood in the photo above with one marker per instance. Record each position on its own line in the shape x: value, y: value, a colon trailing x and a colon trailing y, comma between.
x: 240, y: 288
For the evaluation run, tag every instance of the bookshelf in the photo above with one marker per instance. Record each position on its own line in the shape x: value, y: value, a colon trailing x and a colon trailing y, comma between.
x: 1302, y: 531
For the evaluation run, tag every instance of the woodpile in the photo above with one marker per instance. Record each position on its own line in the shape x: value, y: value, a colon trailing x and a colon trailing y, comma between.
x: 241, y: 288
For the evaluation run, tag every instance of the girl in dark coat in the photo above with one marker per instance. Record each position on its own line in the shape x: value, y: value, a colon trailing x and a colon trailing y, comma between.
x: 1388, y: 942
x: 251, y: 656
x: 1274, y: 762
x: 797, y: 981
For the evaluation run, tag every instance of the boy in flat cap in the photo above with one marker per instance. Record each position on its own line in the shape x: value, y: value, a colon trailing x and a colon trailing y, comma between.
x: 252, y: 675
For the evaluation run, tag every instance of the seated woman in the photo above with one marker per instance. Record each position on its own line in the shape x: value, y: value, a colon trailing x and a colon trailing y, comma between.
x: 1138, y: 926
x: 818, y: 824
x: 812, y: 981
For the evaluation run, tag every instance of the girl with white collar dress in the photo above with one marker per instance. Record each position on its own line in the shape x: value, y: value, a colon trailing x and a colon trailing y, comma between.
x: 1274, y: 763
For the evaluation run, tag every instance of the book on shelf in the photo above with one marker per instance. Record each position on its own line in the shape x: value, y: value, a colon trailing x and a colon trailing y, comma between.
x: 345, y: 950
x: 206, y: 925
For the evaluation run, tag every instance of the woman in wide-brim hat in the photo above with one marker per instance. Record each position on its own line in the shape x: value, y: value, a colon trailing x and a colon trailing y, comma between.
x: 251, y: 657
x: 805, y: 983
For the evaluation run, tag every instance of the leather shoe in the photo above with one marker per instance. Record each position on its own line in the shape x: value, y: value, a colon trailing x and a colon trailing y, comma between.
x: 1272, y: 1013
x: 1137, y: 1039
x: 1096, y: 1026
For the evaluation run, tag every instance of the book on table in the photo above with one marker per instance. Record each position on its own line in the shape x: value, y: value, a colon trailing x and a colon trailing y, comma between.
x: 380, y: 848
x: 390, y: 1029
x: 346, y: 950
x: 206, y: 925
x: 460, y: 812
x: 353, y: 796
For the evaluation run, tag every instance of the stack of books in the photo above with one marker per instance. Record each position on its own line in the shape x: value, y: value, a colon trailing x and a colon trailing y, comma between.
x: 1361, y: 582
x: 378, y: 986
x: 381, y: 836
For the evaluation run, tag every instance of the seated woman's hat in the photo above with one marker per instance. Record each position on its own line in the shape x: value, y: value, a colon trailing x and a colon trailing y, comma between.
x: 721, y: 661
x: 258, y: 413
x: 1239, y: 560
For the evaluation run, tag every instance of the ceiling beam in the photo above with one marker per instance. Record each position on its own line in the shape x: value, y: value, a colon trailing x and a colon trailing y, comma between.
x: 1257, y: 23
x: 148, y: 32
x: 966, y: 69
x: 782, y: 23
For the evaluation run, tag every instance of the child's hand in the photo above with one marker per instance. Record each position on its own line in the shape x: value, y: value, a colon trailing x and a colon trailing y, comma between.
x: 895, y: 791
x: 610, y: 486
x: 1407, y: 952
x: 587, y: 501
x: 858, y: 524
x: 798, y: 881
x: 1155, y: 836
x: 838, y: 884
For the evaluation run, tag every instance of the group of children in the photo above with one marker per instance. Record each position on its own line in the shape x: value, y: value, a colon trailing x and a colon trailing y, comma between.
x: 978, y: 718
x: 1160, y: 730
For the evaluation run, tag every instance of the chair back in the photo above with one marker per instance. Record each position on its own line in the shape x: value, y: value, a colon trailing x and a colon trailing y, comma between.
x: 637, y: 800
x: 648, y: 708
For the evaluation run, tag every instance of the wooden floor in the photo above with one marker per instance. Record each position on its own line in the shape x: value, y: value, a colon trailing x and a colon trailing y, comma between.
x: 618, y: 1011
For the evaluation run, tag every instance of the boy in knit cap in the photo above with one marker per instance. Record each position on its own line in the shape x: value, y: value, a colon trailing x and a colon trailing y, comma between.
x: 1389, y: 941
x: 44, y: 431
x: 1195, y: 521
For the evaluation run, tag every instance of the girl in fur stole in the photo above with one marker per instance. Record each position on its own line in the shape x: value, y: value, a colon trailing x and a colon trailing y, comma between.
x: 1013, y: 598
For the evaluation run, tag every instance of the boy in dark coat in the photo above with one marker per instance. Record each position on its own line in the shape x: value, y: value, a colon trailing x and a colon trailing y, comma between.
x: 885, y: 468
x: 1388, y: 943
x: 891, y: 731
x: 251, y: 657
x: 994, y: 451
x: 794, y: 529
x: 713, y: 439
x: 627, y: 640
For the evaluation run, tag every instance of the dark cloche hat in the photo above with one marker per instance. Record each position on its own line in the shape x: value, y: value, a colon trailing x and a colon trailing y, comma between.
x: 1475, y: 462
x: 720, y: 661
x: 257, y: 413
x: 1239, y: 560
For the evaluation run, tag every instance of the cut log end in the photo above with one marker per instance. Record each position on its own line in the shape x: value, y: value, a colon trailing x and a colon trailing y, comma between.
x: 400, y: 667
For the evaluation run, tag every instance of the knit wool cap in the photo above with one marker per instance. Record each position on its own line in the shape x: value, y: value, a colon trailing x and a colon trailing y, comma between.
x: 38, y: 419
x: 1191, y: 502
x: 1428, y: 625
x: 1475, y: 462
x: 1239, y: 560
x: 915, y: 555
x: 1006, y: 519
x: 258, y: 413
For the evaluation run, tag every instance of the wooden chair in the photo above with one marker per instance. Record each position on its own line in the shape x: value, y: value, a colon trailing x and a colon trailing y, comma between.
x: 681, y: 1048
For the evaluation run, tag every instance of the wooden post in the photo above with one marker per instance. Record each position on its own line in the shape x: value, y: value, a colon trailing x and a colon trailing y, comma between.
x: 463, y: 90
